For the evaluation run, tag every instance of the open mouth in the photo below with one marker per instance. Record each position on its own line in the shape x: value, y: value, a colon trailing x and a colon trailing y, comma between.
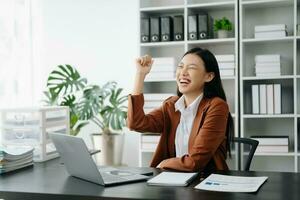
x: 184, y: 81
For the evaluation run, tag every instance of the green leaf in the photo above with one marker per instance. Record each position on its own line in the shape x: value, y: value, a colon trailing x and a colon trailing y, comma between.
x: 65, y: 79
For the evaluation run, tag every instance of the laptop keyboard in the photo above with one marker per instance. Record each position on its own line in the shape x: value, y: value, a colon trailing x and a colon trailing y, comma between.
x: 111, y: 178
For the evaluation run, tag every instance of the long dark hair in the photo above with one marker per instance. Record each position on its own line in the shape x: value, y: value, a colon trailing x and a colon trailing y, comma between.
x: 213, y: 88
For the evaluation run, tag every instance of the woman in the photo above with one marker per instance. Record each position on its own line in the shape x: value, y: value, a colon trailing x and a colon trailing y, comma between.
x: 196, y: 126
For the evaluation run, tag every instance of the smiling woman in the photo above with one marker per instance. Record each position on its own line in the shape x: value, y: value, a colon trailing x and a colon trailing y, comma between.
x: 196, y: 126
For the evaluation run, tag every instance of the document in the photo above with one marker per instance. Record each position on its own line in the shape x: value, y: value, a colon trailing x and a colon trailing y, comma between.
x: 226, y: 183
x: 172, y: 179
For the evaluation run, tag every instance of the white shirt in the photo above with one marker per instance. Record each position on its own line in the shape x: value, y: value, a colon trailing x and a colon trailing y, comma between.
x: 184, y: 127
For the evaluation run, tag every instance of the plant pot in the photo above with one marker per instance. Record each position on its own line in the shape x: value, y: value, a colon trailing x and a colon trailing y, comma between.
x: 223, y: 34
x: 111, y: 146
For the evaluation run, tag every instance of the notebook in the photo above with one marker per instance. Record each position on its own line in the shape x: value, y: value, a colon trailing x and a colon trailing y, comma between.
x: 172, y: 179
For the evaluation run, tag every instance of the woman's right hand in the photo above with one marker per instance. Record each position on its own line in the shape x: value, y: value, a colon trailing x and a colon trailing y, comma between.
x: 144, y: 64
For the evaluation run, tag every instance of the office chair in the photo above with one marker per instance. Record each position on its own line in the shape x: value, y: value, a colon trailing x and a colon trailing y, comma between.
x: 252, y: 144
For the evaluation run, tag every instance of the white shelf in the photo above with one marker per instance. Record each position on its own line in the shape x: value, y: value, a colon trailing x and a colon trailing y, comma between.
x: 267, y: 40
x: 266, y: 3
x: 164, y: 9
x: 269, y: 116
x: 161, y: 44
x: 213, y: 5
x: 268, y: 77
x: 213, y: 41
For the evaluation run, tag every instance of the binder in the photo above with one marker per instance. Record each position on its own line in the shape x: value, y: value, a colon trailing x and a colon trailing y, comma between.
x: 145, y: 30
x: 263, y: 98
x: 255, y: 99
x: 178, y: 28
x: 270, y: 99
x: 166, y: 27
x: 193, y: 32
x: 154, y: 29
x: 277, y: 98
x: 202, y: 26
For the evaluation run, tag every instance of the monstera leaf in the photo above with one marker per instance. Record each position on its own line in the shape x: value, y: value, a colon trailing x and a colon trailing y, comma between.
x: 114, y: 114
x: 65, y: 79
x: 93, y: 100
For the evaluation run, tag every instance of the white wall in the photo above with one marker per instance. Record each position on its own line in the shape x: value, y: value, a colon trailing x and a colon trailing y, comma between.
x: 98, y: 37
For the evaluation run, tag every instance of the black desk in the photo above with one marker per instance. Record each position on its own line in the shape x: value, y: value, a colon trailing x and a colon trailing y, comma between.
x: 50, y: 181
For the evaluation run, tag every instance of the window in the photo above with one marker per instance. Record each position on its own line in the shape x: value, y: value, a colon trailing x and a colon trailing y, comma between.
x: 16, y: 69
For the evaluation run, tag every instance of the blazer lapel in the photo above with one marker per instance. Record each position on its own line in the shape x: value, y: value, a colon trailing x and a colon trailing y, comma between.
x: 198, y: 119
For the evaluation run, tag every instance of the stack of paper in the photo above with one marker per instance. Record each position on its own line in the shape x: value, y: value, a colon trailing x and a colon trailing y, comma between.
x: 270, y: 31
x: 162, y: 69
x: 225, y: 183
x: 12, y: 158
x: 154, y: 100
x: 267, y: 65
x: 226, y: 65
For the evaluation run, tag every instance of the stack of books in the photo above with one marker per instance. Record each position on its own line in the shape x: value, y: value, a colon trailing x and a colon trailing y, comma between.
x: 12, y: 158
x: 226, y: 65
x: 149, y: 142
x: 272, y: 144
x: 154, y: 100
x: 162, y: 69
x: 270, y: 31
x: 267, y: 65
x: 266, y: 99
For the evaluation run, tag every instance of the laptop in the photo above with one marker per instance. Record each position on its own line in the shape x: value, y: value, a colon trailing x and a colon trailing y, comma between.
x: 79, y: 163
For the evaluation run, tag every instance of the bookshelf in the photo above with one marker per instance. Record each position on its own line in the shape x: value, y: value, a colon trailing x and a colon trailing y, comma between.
x: 261, y: 12
x: 215, y: 8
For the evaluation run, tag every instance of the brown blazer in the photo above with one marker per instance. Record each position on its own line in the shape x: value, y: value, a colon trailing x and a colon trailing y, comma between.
x: 207, y: 141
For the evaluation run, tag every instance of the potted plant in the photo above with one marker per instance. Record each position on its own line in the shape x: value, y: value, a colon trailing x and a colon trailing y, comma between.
x: 109, y: 113
x: 222, y: 26
x: 103, y: 106
x: 64, y: 88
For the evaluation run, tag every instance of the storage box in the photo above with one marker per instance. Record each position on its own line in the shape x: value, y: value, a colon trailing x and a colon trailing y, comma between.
x: 30, y: 127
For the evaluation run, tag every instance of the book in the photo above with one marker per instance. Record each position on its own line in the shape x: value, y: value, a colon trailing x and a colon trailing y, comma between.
x: 226, y: 65
x: 150, y: 138
x: 225, y: 58
x: 261, y: 69
x: 227, y: 72
x: 270, y: 99
x: 271, y: 139
x: 164, y: 61
x: 277, y: 98
x: 263, y: 99
x: 267, y: 58
x: 157, y: 96
x: 172, y: 179
x: 272, y: 149
x: 270, y: 34
x: 255, y: 99
x: 227, y: 183
x: 271, y: 27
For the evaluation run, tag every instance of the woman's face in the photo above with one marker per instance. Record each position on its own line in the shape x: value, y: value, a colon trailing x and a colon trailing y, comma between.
x: 191, y: 75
